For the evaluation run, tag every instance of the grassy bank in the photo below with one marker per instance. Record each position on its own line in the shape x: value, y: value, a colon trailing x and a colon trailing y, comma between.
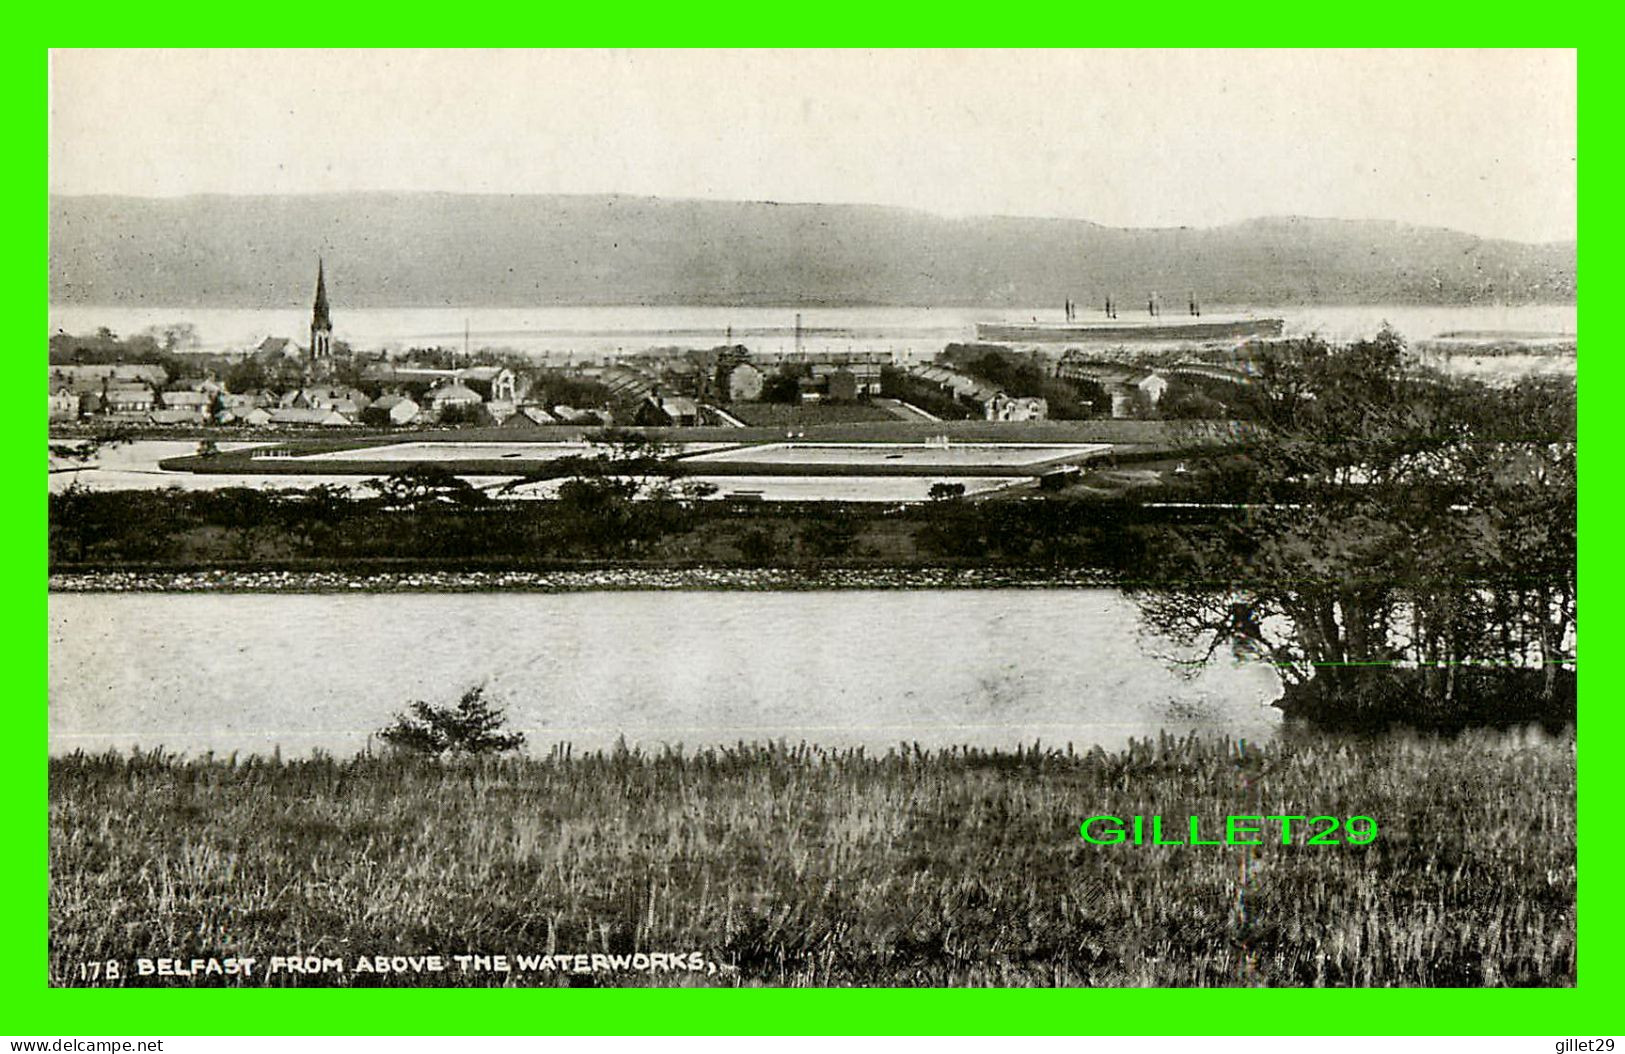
x: 799, y: 867
x: 244, y: 530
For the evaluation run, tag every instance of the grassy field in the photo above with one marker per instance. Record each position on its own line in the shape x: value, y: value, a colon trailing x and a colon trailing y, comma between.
x: 793, y: 866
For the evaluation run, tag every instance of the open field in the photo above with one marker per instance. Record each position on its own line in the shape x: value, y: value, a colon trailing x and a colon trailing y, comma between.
x: 795, y: 866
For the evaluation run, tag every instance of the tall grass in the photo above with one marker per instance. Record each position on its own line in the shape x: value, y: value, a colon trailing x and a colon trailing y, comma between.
x: 801, y: 866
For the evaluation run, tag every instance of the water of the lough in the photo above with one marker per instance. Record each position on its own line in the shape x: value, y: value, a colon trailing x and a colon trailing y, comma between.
x: 905, y: 333
x: 993, y: 668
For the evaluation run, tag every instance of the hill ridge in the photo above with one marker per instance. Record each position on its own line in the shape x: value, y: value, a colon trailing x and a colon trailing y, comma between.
x: 431, y: 248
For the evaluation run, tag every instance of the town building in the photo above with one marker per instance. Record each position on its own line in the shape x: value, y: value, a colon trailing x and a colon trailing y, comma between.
x: 495, y: 384
x: 659, y: 411
x: 196, y: 402
x: 440, y: 399
x: 577, y: 416
x: 529, y: 417
x: 296, y: 416
x: 127, y: 399
x: 392, y: 411
x: 273, y: 349
x: 84, y: 379
x: 1004, y: 407
x: 63, y: 405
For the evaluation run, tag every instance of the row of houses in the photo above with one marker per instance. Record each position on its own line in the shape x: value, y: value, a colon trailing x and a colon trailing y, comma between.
x: 993, y: 403
x: 1133, y: 389
x: 733, y: 373
x: 137, y: 394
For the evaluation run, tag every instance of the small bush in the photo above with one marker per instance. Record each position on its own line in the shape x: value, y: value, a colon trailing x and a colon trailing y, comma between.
x: 471, y: 727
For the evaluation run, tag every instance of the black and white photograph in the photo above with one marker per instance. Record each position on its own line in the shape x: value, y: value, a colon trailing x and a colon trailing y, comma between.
x: 812, y: 519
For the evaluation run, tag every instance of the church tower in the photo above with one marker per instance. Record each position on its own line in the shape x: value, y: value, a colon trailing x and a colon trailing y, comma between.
x: 321, y: 323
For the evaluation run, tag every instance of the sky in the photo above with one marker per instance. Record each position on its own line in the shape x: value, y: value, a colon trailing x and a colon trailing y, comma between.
x: 1478, y: 141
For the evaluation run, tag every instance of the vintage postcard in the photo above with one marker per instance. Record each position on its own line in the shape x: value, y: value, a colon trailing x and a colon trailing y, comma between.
x: 812, y: 519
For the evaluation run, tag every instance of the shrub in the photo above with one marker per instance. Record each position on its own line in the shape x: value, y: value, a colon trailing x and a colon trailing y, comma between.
x: 471, y: 727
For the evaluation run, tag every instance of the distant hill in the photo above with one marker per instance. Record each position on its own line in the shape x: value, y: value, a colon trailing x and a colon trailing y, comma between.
x: 428, y: 250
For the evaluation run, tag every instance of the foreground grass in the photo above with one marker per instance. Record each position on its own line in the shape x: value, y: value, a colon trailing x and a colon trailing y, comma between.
x: 794, y: 866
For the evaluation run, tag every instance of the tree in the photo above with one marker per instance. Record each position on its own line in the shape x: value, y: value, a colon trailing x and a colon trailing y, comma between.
x: 175, y: 336
x: 758, y: 546
x: 459, y: 414
x: 471, y: 727
x: 1187, y: 400
x: 832, y: 533
x: 83, y: 451
x: 783, y: 386
x: 424, y: 485
x: 946, y: 491
x: 314, y: 516
x: 1393, y: 520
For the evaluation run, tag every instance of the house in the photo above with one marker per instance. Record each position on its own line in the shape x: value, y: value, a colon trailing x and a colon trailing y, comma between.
x: 627, y: 385
x: 867, y: 376
x: 63, y: 405
x: 332, y: 398
x: 658, y: 411
x: 298, y: 416
x: 84, y: 379
x: 529, y: 417
x: 493, y: 383
x: 196, y: 402
x: 392, y: 411
x: 127, y: 399
x: 745, y: 383
x: 273, y: 348
x: 572, y: 416
x: 248, y: 400
x: 255, y: 416
x: 963, y: 387
x: 183, y: 416
x: 1131, y: 388
x: 439, y: 400
x: 1004, y: 407
x: 453, y: 394
x: 841, y: 386
x: 685, y: 377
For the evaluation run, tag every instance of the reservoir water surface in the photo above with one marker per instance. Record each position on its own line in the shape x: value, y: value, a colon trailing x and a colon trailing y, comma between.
x: 993, y: 668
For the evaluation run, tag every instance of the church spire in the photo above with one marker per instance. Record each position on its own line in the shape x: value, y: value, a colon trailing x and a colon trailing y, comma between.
x: 321, y: 322
x: 319, y: 317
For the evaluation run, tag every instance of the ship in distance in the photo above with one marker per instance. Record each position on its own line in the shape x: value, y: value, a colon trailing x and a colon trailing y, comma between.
x: 1192, y: 326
